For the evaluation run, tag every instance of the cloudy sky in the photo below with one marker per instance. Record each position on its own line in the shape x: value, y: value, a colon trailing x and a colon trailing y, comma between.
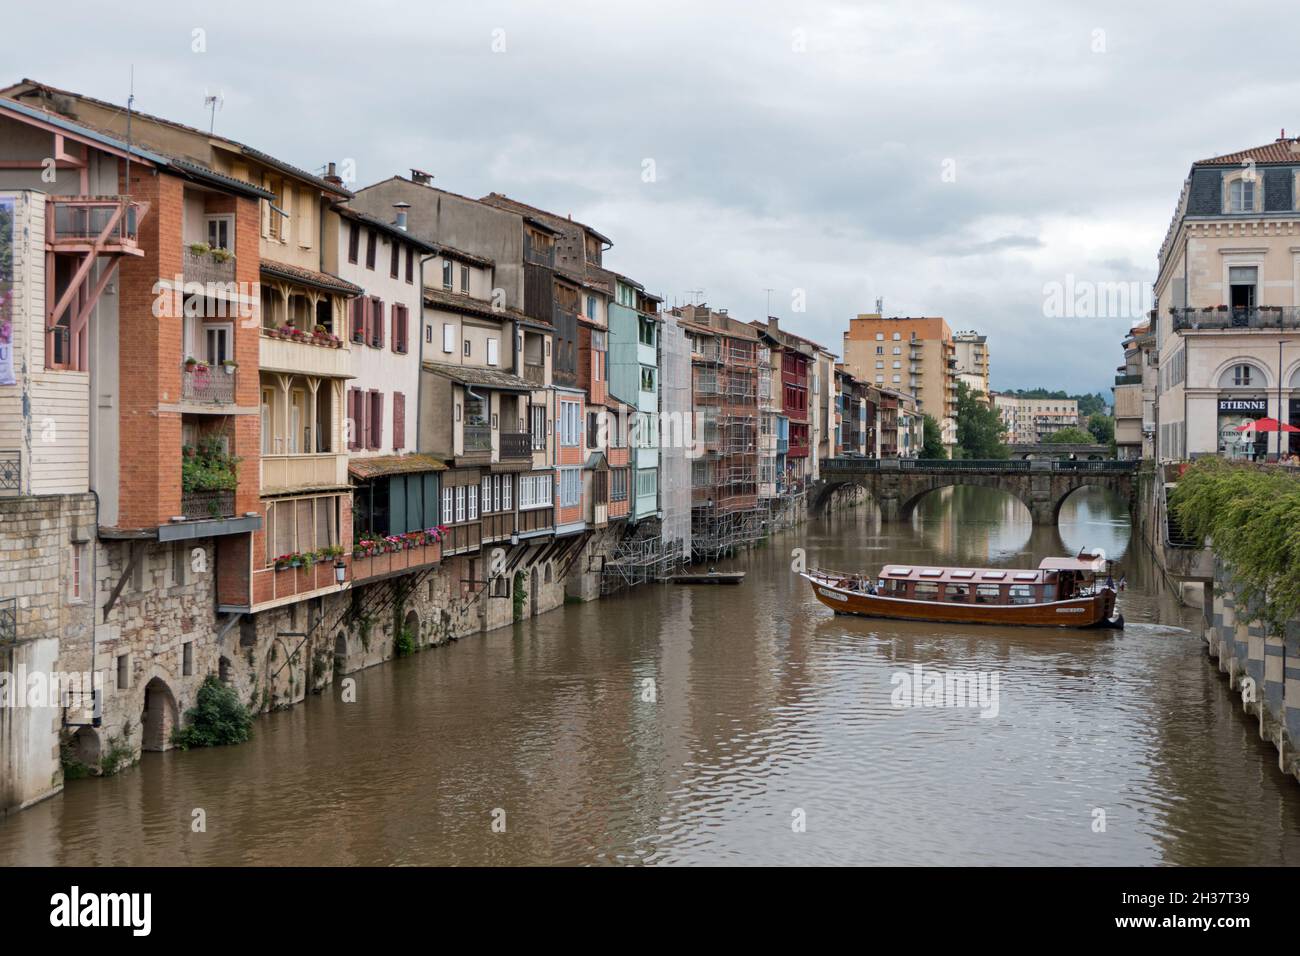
x: 950, y: 161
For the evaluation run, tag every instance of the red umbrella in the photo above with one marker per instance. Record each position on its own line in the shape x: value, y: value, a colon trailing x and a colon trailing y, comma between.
x: 1267, y: 425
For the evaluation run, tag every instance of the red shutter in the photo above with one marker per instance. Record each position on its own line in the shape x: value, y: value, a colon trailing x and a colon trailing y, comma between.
x: 377, y: 322
x: 375, y: 437
x: 396, y: 259
x: 352, y: 419
x: 399, y: 421
x: 410, y: 265
x: 357, y: 310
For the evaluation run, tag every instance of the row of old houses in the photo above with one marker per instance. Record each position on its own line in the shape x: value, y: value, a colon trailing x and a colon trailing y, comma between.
x: 258, y: 424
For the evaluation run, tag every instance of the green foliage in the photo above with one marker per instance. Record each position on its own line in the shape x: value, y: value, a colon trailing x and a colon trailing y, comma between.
x: 520, y: 596
x: 980, y: 430
x: 932, y: 444
x: 1071, y: 436
x: 1252, y: 515
x: 1102, y: 429
x: 207, y: 467
x: 120, y: 753
x: 403, y: 642
x: 217, y: 718
x: 73, y: 769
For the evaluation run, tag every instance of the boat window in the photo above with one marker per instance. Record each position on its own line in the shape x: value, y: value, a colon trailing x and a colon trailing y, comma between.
x: 958, y: 592
x: 987, y: 594
x: 993, y: 575
x: 1027, y: 576
x: 899, y: 571
x: 1022, y: 594
x: 926, y: 590
x: 963, y: 575
x: 932, y: 573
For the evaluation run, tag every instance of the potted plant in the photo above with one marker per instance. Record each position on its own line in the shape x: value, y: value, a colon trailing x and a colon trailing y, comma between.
x: 190, y: 362
x: 222, y: 255
x: 200, y: 248
x: 229, y: 365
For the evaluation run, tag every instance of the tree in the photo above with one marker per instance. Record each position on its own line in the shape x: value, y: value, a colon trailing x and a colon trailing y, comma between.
x: 980, y: 430
x: 1102, y: 428
x: 932, y: 446
x: 1071, y: 436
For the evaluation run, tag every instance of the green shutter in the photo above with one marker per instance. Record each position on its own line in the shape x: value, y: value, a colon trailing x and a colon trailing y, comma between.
x: 397, y: 504
x: 414, y: 503
x: 432, y: 499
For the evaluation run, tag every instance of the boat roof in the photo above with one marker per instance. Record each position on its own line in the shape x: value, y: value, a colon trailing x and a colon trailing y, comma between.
x: 1048, y: 566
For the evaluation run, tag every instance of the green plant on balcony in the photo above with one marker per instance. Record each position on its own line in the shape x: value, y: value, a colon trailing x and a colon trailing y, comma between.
x: 199, y: 248
x: 222, y: 255
x: 208, y: 467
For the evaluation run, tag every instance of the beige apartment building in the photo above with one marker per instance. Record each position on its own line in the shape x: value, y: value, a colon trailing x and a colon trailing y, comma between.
x: 912, y: 355
x: 1227, y: 316
x: 1135, y: 394
x: 972, y: 352
x: 1030, y: 421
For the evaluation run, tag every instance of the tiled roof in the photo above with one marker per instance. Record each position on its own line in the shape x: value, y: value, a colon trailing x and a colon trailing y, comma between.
x: 502, y: 201
x: 321, y: 280
x: 363, y: 468
x: 1278, y: 151
x: 467, y: 305
x: 388, y: 228
x: 483, y: 377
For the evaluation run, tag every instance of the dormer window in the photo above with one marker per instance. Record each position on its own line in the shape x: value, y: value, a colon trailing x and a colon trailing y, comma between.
x: 1241, y: 196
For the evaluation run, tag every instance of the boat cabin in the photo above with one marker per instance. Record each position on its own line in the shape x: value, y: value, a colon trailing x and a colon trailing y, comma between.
x: 1056, y: 579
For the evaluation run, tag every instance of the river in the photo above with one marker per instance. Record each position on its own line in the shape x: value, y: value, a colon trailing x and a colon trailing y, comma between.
x: 738, y: 725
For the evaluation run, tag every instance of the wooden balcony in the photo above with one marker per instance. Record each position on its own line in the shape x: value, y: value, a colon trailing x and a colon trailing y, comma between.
x: 515, y: 445
x: 396, y: 562
x: 303, y: 472
x: 303, y: 357
x: 535, y: 374
x: 105, y: 223
x: 272, y: 586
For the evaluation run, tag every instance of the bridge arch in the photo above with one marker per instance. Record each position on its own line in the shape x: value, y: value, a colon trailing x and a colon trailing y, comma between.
x: 908, y: 505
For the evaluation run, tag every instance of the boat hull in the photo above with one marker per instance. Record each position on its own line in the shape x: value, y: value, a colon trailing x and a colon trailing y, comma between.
x: 1092, y: 611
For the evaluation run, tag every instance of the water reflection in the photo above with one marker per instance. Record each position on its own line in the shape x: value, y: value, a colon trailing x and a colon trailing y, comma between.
x: 688, y: 725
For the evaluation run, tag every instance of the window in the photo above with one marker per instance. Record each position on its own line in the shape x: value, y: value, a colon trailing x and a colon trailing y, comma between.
x: 897, y: 350
x: 1241, y: 196
x: 647, y: 379
x: 187, y: 659
x: 466, y: 348
x: 460, y: 502
x: 75, y: 584
x: 486, y: 488
x: 535, y: 492
x: 593, y: 429
x: 492, y: 356
x: 591, y: 307
x: 123, y: 671
x: 570, y: 424
x: 507, y: 489
x: 300, y: 525
x: 375, y: 420
x: 354, y: 241
x: 357, y: 310
x: 880, y: 350
x: 464, y: 280
x: 180, y: 561
x: 446, y: 274
x: 448, y: 509
x: 618, y: 485
x: 570, y: 487
x: 537, y: 426
x: 394, y: 260
x: 401, y: 325
x: 410, y: 265
x: 897, y: 337
x: 471, y: 493
x: 1243, y: 375
x: 647, y: 482
x: 217, y: 343
x: 880, y: 336
x: 221, y: 232
x: 448, y: 337
x: 371, y: 243
x: 647, y: 332
x: 1022, y: 594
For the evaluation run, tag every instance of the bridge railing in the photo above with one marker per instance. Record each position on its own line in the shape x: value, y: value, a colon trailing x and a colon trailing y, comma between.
x: 990, y: 465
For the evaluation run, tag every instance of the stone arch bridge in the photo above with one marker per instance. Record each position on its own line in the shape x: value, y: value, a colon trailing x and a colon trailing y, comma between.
x: 897, y: 484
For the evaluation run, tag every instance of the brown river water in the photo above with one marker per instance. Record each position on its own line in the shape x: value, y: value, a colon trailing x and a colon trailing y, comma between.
x: 772, y: 735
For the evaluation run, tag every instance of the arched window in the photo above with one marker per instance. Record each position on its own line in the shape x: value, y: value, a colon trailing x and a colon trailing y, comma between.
x: 1241, y: 375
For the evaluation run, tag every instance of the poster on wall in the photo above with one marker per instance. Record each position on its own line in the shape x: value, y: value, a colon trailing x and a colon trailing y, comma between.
x: 6, y: 292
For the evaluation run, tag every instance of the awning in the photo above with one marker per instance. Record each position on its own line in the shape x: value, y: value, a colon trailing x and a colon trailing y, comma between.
x: 363, y: 469
x: 476, y: 377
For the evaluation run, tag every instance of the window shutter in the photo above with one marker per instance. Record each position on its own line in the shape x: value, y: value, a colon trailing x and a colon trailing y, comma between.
x: 377, y: 322
x: 410, y: 265
x: 399, y: 421
x: 352, y: 419
x: 376, y: 436
x: 357, y: 308
x: 362, y: 428
x: 394, y: 259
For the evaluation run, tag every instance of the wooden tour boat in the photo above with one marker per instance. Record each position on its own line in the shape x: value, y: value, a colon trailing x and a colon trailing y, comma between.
x: 1062, y: 592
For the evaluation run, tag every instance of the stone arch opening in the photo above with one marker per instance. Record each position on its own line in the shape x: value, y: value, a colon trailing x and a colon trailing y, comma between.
x: 340, y: 651
x: 826, y: 494
x: 411, y: 625
x: 85, y: 747
x: 1107, y: 488
x: 548, y: 573
x: 158, y: 718
x: 223, y: 669
x: 907, y: 506
x: 532, y: 593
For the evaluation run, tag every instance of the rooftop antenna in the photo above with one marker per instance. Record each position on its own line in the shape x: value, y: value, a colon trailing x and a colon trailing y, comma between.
x: 130, y: 102
x: 880, y: 305
x: 212, y: 103
x: 769, y: 302
x: 693, y: 293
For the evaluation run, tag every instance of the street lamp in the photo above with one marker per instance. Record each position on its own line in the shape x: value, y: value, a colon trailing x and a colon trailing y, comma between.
x: 340, y: 570
x: 1279, y: 399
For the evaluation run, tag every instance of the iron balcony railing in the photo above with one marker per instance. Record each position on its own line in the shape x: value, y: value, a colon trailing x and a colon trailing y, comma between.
x: 516, y: 445
x: 207, y: 504
x: 11, y: 469
x: 478, y: 438
x: 212, y: 384
x: 8, y: 620
x: 211, y: 266
x: 1260, y: 317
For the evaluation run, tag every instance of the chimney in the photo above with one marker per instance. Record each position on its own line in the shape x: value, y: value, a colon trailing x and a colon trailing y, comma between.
x: 421, y: 178
x: 332, y: 175
x: 399, y: 219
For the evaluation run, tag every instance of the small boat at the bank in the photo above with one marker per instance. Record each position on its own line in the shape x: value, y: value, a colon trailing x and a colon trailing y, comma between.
x: 709, y: 577
x: 1061, y: 592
